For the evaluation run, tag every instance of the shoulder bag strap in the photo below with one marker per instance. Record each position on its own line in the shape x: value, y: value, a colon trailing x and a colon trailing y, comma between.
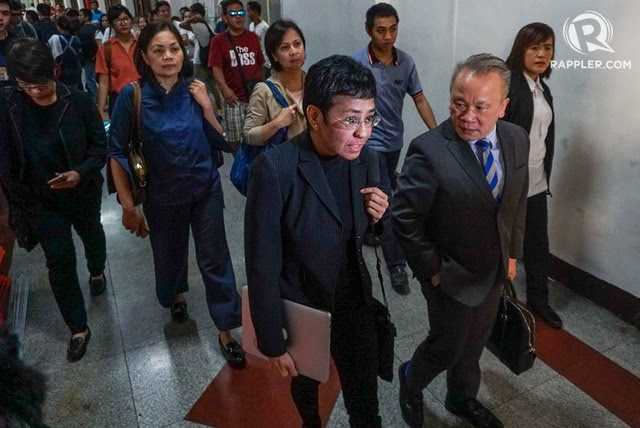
x: 240, y: 66
x: 137, y: 116
x: 277, y: 94
x: 107, y: 55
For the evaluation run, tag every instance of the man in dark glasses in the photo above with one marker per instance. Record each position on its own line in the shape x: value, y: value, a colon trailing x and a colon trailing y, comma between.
x: 236, y: 59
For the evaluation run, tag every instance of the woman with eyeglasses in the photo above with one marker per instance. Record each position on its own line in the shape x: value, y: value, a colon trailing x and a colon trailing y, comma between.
x: 52, y: 149
x: 184, y: 191
x: 310, y: 202
x: 114, y: 60
x: 284, y: 44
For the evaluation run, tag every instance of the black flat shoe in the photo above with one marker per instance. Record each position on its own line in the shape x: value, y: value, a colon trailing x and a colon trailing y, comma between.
x: 233, y: 353
x: 411, y: 406
x: 179, y: 312
x: 548, y: 315
x: 97, y: 285
x: 78, y: 347
x: 474, y: 412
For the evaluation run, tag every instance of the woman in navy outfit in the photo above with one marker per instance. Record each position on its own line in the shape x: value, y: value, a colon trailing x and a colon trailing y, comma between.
x: 531, y: 106
x: 179, y: 133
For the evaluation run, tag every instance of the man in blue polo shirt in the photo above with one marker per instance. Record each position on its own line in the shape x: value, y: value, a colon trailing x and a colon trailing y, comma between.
x: 396, y: 76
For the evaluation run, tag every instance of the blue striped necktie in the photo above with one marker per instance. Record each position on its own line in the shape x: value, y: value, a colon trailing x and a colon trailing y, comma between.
x: 490, y: 169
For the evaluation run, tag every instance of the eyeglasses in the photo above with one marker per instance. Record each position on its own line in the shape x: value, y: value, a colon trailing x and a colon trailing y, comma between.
x: 122, y: 21
x: 30, y: 88
x: 236, y: 12
x: 351, y: 123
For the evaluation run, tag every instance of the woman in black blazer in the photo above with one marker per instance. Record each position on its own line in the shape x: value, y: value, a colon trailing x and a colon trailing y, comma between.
x: 531, y: 106
x: 310, y: 202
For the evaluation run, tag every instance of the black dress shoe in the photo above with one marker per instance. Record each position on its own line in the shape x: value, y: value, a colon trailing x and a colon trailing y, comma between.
x: 179, y: 312
x: 411, y: 406
x: 548, y: 315
x: 233, y: 353
x: 78, y: 347
x: 474, y: 412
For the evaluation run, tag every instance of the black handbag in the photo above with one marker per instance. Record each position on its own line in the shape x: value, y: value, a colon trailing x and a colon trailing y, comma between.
x: 513, y: 336
x: 135, y: 154
x: 385, y: 330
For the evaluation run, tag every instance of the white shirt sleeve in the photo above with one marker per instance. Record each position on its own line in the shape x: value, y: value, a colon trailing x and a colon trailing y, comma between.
x: 56, y: 47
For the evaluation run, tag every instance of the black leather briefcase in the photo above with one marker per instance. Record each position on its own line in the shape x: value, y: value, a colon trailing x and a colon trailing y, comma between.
x: 513, y: 336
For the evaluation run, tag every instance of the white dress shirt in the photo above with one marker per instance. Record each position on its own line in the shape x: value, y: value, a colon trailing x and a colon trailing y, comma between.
x: 542, y: 116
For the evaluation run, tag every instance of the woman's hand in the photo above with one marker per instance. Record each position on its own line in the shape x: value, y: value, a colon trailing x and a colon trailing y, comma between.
x: 65, y: 180
x: 198, y: 91
x: 283, y: 365
x: 287, y: 116
x: 134, y: 222
x: 375, y: 203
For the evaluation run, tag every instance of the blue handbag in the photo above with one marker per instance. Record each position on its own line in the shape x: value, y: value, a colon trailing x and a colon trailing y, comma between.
x: 247, y: 153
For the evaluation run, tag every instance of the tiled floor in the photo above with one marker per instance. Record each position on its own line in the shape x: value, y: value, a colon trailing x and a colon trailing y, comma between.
x: 143, y: 370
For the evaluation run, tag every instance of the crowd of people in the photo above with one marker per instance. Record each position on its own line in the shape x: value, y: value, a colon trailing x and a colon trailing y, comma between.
x: 469, y: 202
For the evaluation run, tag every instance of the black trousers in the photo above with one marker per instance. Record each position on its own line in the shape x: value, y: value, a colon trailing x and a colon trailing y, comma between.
x: 54, y: 231
x: 354, y: 347
x: 391, y: 248
x: 536, y: 250
x: 457, y: 336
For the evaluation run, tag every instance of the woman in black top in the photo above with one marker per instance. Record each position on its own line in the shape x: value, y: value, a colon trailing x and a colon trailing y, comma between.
x: 310, y: 202
x: 531, y: 106
x: 52, y: 148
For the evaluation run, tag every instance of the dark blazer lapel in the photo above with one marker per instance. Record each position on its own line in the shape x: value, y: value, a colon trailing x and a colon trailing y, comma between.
x: 311, y: 170
x: 468, y: 161
x: 358, y: 172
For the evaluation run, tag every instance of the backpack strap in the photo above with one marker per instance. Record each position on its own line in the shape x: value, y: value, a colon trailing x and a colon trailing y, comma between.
x: 277, y: 94
x: 107, y: 55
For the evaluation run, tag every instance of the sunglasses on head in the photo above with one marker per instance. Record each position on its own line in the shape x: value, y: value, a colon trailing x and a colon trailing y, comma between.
x: 236, y: 12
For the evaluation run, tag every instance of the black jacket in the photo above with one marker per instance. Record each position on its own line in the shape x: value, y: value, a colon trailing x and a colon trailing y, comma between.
x: 446, y: 218
x: 520, y: 111
x: 81, y: 131
x: 293, y: 234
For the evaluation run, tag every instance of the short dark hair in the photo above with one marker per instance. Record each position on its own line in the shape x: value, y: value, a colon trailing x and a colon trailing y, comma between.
x: 33, y: 15
x: 337, y: 75
x: 115, y: 11
x: 145, y: 38
x: 380, y: 10
x: 72, y: 13
x: 64, y: 23
x: 14, y: 5
x: 481, y: 65
x: 184, y: 8
x: 87, y: 13
x: 30, y: 60
x: 530, y: 34
x: 44, y: 9
x: 227, y: 3
x: 161, y: 3
x: 198, y: 8
x: 255, y: 6
x: 273, y: 38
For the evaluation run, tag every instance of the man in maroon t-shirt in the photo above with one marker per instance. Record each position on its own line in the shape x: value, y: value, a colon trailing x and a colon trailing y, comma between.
x: 226, y: 66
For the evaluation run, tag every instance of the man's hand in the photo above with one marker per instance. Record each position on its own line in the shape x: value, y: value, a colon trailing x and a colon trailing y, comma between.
x: 283, y: 365
x: 435, y: 280
x: 375, y: 203
x: 512, y: 269
x: 65, y: 180
x: 229, y: 96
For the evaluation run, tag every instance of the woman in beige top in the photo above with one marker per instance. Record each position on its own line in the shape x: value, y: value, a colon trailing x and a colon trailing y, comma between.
x: 284, y: 43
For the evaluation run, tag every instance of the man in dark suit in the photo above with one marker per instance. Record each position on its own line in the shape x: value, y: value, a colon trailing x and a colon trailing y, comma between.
x: 310, y: 203
x: 459, y: 213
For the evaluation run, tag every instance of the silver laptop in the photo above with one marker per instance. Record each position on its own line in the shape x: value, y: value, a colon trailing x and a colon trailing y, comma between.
x: 308, y: 336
